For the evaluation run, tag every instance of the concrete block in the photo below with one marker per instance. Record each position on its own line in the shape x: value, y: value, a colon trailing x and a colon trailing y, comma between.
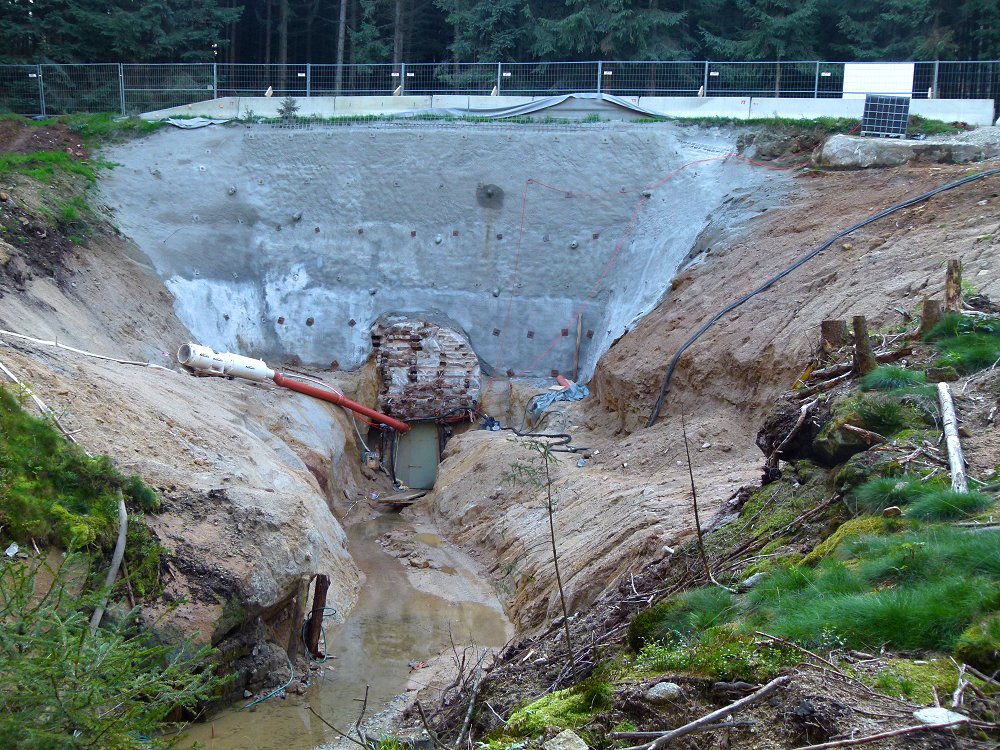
x: 453, y: 101
x: 372, y: 105
x: 805, y: 109
x: 971, y: 111
x: 737, y: 108
x: 217, y: 108
x: 495, y: 102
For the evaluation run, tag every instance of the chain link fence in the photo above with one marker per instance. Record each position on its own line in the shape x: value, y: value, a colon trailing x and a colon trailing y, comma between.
x: 133, y: 88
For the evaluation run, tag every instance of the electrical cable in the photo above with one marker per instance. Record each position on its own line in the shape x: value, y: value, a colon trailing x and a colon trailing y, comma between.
x: 302, y: 633
x: 276, y: 691
x: 82, y: 351
x: 654, y: 415
x: 560, y: 438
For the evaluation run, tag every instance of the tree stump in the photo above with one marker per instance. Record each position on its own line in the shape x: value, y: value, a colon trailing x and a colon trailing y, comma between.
x: 314, y: 628
x: 833, y: 333
x: 953, y: 287
x: 930, y: 315
x: 864, y: 355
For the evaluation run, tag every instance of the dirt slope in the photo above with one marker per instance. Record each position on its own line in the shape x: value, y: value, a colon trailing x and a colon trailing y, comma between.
x: 246, y: 474
x: 615, y: 514
x: 757, y: 350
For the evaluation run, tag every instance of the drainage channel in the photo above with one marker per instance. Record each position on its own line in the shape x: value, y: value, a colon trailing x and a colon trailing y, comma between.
x: 404, y: 616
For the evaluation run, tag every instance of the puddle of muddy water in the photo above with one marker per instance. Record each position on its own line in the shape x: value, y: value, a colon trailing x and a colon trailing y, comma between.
x: 392, y: 625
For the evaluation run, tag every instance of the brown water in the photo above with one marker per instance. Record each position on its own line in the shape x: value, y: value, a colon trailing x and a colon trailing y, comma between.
x: 392, y: 625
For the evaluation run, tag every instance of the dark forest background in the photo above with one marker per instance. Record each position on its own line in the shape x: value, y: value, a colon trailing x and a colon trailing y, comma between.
x: 374, y: 31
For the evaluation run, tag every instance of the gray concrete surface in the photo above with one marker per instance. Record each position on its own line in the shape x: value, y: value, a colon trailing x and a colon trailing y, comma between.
x: 972, y: 111
x: 290, y: 243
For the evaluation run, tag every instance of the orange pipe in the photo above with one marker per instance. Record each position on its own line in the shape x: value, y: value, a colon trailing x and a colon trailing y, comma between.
x: 336, y: 398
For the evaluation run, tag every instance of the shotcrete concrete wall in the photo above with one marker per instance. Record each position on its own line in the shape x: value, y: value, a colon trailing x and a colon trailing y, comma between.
x: 290, y: 243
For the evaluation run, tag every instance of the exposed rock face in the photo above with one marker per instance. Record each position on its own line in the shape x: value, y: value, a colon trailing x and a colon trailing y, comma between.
x: 856, y: 152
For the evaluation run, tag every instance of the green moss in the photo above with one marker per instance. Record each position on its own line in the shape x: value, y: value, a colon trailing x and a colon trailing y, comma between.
x: 721, y: 653
x: 856, y: 527
x: 869, y: 464
x: 563, y: 709
x: 979, y: 645
x: 917, y: 681
x: 774, y: 506
x: 53, y: 493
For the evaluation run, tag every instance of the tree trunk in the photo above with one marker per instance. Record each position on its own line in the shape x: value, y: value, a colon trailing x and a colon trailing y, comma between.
x: 956, y: 461
x: 294, y: 647
x: 283, y: 42
x: 953, y: 287
x: 232, y: 36
x: 338, y: 81
x: 864, y: 357
x: 930, y: 316
x: 353, y: 26
x: 397, y: 36
x: 267, y: 35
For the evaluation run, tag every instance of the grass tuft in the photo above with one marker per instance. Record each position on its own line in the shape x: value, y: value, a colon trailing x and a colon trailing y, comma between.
x: 885, y: 414
x: 966, y: 343
x: 945, y: 504
x: 890, y: 378
x: 682, y: 615
x: 876, y: 495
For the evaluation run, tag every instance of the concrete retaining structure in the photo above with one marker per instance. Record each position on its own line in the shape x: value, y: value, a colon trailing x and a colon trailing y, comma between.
x: 290, y: 243
x: 972, y: 111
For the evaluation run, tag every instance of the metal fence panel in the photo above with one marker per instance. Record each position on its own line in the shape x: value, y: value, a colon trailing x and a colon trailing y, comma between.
x: 132, y: 88
x: 20, y: 90
x: 548, y: 79
x: 82, y: 88
x: 354, y: 80
x: 630, y: 79
x: 965, y: 80
x: 157, y: 86
x: 256, y: 79
x: 453, y: 78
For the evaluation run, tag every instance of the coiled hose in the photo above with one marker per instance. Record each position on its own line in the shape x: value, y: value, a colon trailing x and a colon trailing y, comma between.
x: 801, y: 261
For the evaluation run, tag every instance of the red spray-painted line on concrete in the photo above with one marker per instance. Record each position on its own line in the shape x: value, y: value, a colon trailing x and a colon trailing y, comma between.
x: 339, y: 400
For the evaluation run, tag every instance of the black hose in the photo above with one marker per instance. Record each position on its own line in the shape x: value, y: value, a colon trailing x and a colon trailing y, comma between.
x: 809, y: 256
x: 560, y: 439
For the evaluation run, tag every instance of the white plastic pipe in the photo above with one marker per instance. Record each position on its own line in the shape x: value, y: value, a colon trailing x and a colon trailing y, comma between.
x: 203, y: 359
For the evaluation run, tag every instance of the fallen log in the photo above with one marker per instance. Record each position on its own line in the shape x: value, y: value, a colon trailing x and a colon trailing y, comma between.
x: 872, y: 438
x: 848, y: 741
x: 704, y: 728
x: 713, y: 717
x: 882, y: 359
x: 956, y: 461
x: 772, y: 460
x: 820, y: 387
